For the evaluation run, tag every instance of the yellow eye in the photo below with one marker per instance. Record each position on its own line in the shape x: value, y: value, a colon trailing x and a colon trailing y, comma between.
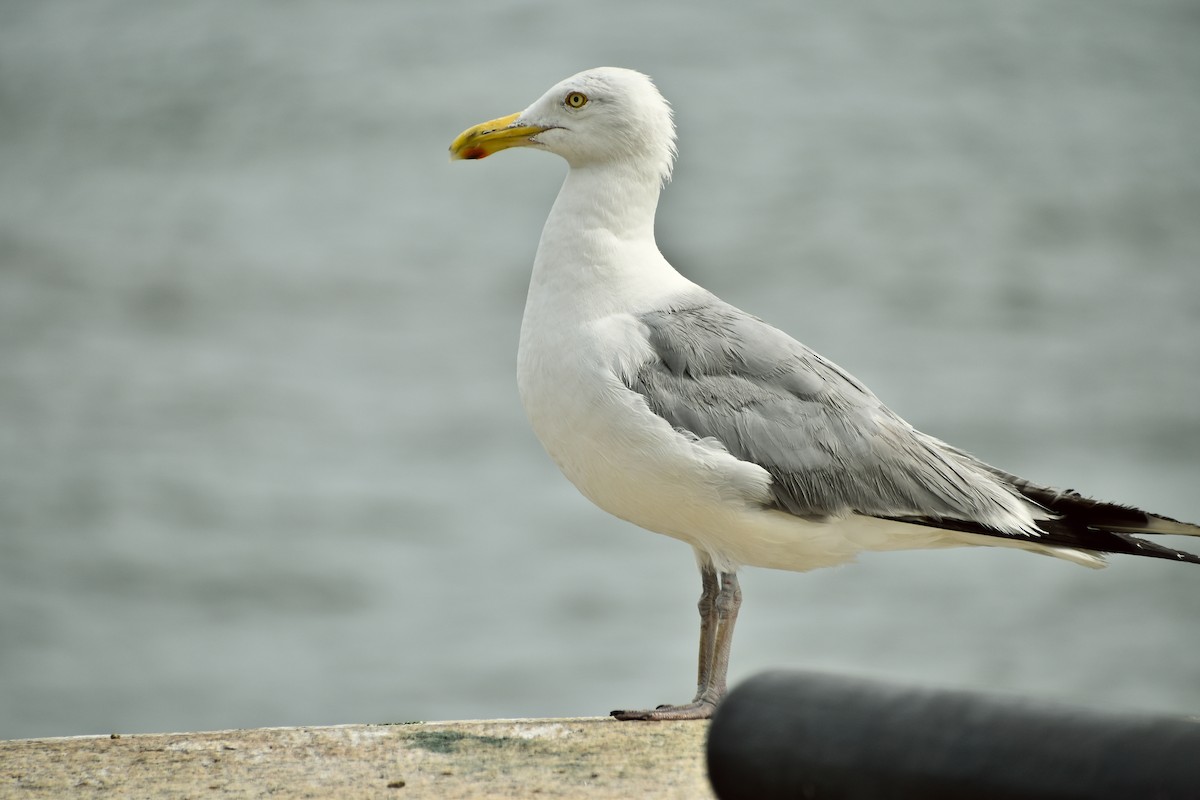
x: 577, y: 100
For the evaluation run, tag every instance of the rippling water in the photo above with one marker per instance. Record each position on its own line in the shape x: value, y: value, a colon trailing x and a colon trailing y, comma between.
x: 261, y: 456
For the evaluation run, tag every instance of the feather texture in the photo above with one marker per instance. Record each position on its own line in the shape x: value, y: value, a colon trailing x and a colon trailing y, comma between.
x: 833, y: 449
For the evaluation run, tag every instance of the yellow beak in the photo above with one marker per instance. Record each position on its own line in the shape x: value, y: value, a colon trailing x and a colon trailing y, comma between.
x: 492, y: 137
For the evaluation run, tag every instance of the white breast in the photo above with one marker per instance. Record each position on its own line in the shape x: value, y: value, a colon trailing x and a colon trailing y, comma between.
x: 576, y: 354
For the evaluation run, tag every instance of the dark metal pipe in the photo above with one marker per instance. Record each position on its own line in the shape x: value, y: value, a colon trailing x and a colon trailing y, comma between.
x: 821, y: 737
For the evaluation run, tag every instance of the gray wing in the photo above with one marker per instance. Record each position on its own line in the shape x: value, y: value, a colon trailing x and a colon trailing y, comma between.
x: 832, y: 448
x: 830, y: 445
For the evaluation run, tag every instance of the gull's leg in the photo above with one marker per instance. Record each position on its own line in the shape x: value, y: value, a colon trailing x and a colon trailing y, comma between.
x: 729, y: 602
x: 708, y: 627
x: 717, y: 617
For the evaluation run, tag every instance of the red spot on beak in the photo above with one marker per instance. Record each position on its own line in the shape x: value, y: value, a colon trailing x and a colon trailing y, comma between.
x: 474, y: 153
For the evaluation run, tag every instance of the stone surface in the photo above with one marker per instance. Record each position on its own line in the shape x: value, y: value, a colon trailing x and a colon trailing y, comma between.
x: 586, y: 758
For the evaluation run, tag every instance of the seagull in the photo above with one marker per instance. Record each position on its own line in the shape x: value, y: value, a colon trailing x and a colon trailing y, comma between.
x: 673, y: 410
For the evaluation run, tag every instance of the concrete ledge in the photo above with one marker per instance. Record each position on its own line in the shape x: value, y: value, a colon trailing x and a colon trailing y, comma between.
x: 587, y: 758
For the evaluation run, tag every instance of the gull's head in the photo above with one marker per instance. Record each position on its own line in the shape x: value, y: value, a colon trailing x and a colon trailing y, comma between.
x: 599, y: 117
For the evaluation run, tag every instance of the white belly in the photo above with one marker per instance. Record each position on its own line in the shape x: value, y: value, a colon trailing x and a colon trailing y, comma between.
x: 634, y: 465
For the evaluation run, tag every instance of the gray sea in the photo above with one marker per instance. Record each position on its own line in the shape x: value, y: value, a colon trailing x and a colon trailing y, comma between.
x: 262, y: 460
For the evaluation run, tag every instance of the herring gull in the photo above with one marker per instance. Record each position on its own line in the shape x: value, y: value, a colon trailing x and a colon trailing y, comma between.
x: 675, y: 411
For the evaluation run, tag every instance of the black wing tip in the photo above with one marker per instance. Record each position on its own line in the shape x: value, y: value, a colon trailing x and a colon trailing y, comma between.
x: 1081, y: 510
x: 1068, y: 534
x: 1155, y: 550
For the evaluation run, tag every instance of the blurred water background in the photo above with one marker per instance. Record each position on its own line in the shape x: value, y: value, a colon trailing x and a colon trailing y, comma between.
x: 262, y: 460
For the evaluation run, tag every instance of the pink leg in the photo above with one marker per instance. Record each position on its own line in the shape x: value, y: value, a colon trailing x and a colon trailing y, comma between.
x: 718, y: 614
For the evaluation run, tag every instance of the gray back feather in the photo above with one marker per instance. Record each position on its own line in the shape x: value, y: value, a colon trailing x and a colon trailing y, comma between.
x: 830, y: 445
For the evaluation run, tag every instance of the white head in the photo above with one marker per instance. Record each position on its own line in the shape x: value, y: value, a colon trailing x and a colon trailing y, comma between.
x: 602, y: 116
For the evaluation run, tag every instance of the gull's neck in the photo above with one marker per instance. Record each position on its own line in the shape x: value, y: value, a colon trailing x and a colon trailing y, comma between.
x: 598, y: 246
x: 616, y: 198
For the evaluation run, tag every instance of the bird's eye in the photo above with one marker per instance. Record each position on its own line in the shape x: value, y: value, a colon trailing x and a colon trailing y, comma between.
x: 577, y: 100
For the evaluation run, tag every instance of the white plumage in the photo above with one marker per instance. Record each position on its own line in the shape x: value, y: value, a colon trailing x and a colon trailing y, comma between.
x: 681, y: 414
